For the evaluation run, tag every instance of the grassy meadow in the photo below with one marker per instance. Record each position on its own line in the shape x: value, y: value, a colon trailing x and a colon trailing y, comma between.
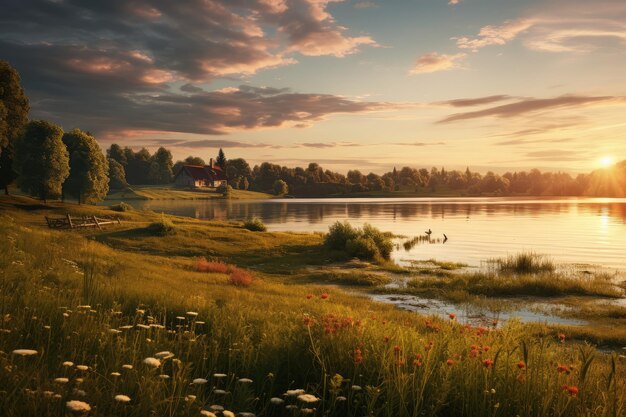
x: 169, y: 192
x: 142, y: 320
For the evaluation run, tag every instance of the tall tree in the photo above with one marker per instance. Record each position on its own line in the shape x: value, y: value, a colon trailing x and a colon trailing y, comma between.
x: 14, y: 109
x: 138, y: 167
x: 161, y: 167
x: 116, y: 152
x: 221, y: 159
x: 88, y: 181
x: 117, y: 176
x: 41, y: 160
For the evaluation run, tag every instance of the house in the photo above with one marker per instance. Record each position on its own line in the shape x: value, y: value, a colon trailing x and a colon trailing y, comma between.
x: 196, y: 176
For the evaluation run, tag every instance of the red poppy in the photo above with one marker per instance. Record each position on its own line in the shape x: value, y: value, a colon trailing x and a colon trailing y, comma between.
x: 572, y: 391
x: 309, y: 296
x: 562, y: 337
x: 324, y: 296
x: 450, y: 362
x: 358, y: 356
x: 521, y: 365
x: 452, y: 316
x: 488, y: 363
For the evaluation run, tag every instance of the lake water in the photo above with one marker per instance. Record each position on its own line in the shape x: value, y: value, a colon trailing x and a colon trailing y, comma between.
x: 572, y: 230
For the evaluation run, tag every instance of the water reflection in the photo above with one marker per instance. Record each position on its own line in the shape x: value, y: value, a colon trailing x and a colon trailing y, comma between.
x: 573, y: 230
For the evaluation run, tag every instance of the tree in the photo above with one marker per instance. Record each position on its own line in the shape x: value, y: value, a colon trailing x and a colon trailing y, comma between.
x: 221, y: 159
x: 41, y: 160
x: 118, y: 154
x: 14, y: 109
x: 138, y: 167
x: 88, y: 181
x: 161, y: 167
x: 117, y: 176
x: 280, y: 187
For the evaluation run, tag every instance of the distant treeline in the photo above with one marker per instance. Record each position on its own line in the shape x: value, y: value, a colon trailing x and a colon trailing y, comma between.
x: 314, y: 181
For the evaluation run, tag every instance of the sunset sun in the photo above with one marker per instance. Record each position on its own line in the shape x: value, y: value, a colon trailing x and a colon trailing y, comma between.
x: 606, y: 161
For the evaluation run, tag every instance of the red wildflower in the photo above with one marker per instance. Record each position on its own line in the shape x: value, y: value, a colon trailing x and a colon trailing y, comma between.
x: 324, y: 296
x: 488, y: 363
x: 308, y: 321
x: 562, y: 337
x: 486, y: 348
x: 572, y: 391
x: 450, y: 362
x: 474, y: 353
x: 417, y: 363
x: 562, y: 369
x: 358, y: 356
x: 521, y: 365
x: 386, y: 338
x: 309, y: 296
x: 452, y: 316
x: 397, y: 349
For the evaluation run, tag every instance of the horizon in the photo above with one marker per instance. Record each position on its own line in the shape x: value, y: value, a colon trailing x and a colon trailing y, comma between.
x: 490, y: 85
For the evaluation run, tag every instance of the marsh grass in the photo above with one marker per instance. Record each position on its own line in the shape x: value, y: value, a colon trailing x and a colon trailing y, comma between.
x: 356, y: 357
x: 524, y: 263
x: 350, y: 278
x: 254, y: 225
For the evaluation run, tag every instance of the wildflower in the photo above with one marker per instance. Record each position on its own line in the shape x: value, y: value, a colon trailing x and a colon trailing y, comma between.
x: 164, y: 376
x: 76, y: 406
x: 486, y: 348
x: 341, y: 398
x: 79, y: 380
x: 82, y: 367
x: 488, y: 363
x: 154, y: 362
x: 358, y: 356
x: 294, y: 392
x: 572, y: 391
x: 24, y: 352
x: 562, y: 369
x: 115, y: 331
x: 245, y: 380
x: 386, y: 338
x: 68, y: 364
x: 122, y: 398
x: 308, y: 398
x: 227, y: 413
x: 199, y: 381
x: 397, y: 349
x: 207, y: 413
x: 61, y: 381
x: 140, y: 312
x: 246, y: 414
x: 452, y: 316
x: 276, y: 401
x: 79, y: 392
x: 192, y: 313
x: 356, y: 388
x: 417, y: 363
x: 164, y: 355
x: 181, y: 318
x: 219, y: 392
x: 127, y: 366
x: 219, y: 376
x: 190, y: 398
x: 324, y: 296
x: 309, y: 296
x: 474, y: 353
x: 493, y: 390
x: 562, y: 337
x: 216, y: 408
x: 521, y: 365
x: 450, y: 362
x: 115, y: 374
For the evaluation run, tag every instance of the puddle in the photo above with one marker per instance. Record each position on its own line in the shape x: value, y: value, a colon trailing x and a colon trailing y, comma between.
x: 468, y: 314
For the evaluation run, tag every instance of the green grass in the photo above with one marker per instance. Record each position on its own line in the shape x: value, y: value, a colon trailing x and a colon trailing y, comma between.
x: 271, y: 332
x: 161, y: 192
x: 524, y: 263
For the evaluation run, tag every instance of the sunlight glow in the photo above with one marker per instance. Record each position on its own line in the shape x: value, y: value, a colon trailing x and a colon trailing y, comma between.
x: 607, y: 161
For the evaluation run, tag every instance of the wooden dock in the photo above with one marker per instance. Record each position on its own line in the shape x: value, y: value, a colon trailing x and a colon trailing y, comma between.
x: 69, y: 222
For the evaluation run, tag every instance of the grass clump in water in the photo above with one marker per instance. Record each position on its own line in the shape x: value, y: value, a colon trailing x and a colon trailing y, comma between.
x: 367, y: 243
x: 525, y: 263
x: 121, y: 207
x: 254, y: 225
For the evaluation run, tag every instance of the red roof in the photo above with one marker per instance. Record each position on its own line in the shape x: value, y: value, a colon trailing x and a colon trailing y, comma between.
x: 207, y: 173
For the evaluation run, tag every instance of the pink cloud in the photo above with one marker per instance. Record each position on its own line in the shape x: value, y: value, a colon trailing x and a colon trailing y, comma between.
x: 435, y: 62
x: 495, y: 35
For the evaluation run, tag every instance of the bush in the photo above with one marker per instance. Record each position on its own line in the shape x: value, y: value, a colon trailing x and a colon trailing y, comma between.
x: 240, y: 277
x: 121, y: 207
x: 228, y: 192
x: 163, y: 227
x: 222, y: 188
x: 367, y: 243
x: 255, y: 225
x: 202, y: 265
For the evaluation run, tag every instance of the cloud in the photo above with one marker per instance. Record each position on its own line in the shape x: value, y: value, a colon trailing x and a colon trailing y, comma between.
x: 577, y: 40
x: 468, y: 102
x: 435, y: 62
x: 365, y: 5
x: 558, y: 155
x: 454, y: 2
x: 495, y: 35
x: 522, y: 141
x: 529, y: 106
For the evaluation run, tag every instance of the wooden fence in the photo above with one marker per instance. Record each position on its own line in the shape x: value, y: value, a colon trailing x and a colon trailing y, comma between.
x: 69, y: 222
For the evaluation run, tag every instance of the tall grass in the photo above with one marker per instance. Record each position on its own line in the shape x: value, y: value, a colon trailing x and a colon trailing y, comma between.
x: 253, y: 344
x: 525, y: 263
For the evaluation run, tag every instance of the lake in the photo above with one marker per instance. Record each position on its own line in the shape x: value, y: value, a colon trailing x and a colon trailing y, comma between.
x: 569, y: 230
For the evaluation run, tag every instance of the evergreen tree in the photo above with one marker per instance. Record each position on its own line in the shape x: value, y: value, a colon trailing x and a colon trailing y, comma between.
x: 88, y: 181
x: 221, y: 159
x: 14, y: 109
x: 41, y: 160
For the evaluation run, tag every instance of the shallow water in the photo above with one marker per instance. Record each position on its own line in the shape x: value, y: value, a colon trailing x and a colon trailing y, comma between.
x: 570, y: 230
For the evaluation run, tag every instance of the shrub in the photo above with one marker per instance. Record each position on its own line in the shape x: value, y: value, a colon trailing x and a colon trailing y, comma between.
x: 202, y: 265
x: 163, y: 227
x: 367, y: 243
x: 255, y: 225
x: 228, y: 192
x: 240, y: 277
x: 121, y: 207
x: 222, y: 188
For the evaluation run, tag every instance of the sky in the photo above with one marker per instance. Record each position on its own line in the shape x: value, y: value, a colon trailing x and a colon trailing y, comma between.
x: 367, y: 84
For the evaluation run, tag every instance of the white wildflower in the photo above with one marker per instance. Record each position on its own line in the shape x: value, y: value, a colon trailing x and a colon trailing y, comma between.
x: 219, y: 375
x: 76, y: 406
x: 227, y: 413
x: 216, y: 408
x: 220, y: 392
x: 276, y: 401
x: 341, y: 398
x: 127, y: 366
x: 164, y: 355
x: 154, y: 362
x: 356, y: 388
x: 82, y: 367
x: 294, y: 392
x: 120, y: 398
x: 79, y: 392
x: 245, y: 380
x: 190, y: 398
x: 24, y: 352
x: 61, y: 381
x: 192, y: 313
x: 207, y: 413
x: 115, y: 374
x: 246, y: 414
x: 79, y: 380
x: 199, y: 381
x: 308, y: 398
x: 68, y: 364
x: 164, y: 376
